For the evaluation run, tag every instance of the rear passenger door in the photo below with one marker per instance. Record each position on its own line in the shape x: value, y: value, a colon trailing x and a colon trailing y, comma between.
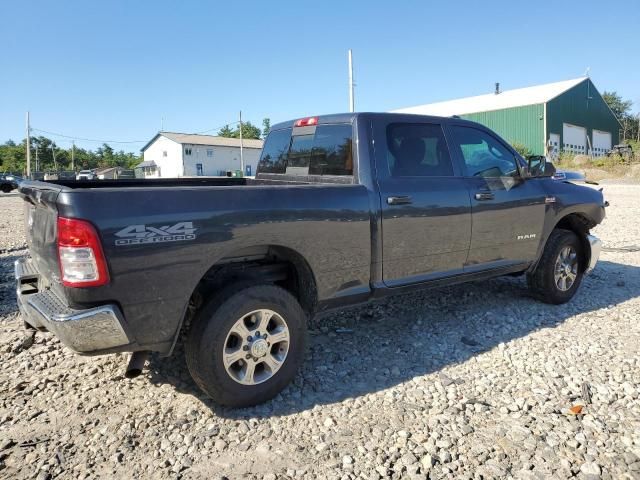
x: 426, y: 209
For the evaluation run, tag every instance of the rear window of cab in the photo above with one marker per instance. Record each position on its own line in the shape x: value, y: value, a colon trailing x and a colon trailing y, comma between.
x: 322, y: 150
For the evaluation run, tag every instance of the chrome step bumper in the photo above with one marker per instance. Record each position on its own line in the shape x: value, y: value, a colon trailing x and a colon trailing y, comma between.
x: 85, y: 330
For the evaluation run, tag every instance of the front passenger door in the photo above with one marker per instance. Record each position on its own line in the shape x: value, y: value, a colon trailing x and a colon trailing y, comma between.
x: 507, y: 210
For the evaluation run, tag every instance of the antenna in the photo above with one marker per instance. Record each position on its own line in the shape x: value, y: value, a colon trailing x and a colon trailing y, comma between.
x: 241, y: 152
x: 351, y: 99
x: 587, y: 71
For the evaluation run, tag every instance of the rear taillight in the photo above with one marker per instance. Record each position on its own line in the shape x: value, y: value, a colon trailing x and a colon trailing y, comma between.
x: 82, y: 262
x: 306, y: 122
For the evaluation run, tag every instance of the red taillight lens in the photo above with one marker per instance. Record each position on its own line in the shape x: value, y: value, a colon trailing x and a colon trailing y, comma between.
x: 82, y: 262
x: 306, y: 122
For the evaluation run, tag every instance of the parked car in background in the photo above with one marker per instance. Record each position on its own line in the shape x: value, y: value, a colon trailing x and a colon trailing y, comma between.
x: 344, y: 209
x: 86, y: 175
x: 8, y: 182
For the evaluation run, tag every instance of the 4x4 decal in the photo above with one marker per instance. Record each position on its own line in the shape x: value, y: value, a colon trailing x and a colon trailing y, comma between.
x: 137, y: 234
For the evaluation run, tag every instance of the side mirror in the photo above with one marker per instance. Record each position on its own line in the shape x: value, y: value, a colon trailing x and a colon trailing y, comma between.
x: 539, y: 167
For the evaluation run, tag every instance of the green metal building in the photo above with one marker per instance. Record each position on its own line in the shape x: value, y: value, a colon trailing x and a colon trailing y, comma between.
x: 571, y: 116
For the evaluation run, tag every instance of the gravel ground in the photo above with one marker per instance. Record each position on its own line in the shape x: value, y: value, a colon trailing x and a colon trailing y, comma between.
x: 472, y: 381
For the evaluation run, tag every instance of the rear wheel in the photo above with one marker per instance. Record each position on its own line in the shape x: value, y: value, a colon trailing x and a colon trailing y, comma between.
x: 559, y: 272
x: 246, y: 345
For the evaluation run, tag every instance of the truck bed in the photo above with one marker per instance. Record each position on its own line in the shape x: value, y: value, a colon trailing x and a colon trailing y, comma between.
x: 153, y: 278
x: 263, y: 179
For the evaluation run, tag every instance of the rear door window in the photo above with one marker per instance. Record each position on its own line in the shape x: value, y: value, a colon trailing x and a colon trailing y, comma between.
x: 325, y: 150
x: 417, y: 150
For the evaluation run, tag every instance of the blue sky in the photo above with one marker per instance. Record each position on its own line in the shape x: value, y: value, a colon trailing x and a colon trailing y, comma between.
x: 113, y: 69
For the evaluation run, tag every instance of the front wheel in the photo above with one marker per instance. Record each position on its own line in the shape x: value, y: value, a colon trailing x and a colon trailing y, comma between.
x: 559, y: 272
x: 244, y: 349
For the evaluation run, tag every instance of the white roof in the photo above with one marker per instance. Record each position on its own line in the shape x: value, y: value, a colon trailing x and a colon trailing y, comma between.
x: 195, y: 139
x: 485, y: 103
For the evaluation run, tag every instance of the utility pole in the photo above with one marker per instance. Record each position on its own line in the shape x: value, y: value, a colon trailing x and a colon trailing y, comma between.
x: 351, y: 99
x: 241, y: 153
x: 53, y: 152
x: 37, y: 166
x: 638, y: 132
x: 28, y: 147
x: 73, y: 155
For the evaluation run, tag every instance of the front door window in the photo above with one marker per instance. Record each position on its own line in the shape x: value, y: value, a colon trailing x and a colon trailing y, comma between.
x: 484, y: 155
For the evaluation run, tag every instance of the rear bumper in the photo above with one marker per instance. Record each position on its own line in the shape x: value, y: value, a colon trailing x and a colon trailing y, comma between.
x: 85, y: 331
x: 595, y: 245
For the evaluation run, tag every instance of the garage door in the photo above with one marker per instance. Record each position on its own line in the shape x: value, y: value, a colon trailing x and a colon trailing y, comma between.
x: 574, y: 138
x: 601, y: 142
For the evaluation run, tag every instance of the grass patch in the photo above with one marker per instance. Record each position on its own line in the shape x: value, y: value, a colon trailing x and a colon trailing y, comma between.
x: 613, y: 167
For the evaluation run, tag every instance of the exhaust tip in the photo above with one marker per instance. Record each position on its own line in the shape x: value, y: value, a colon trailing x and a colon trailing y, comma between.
x: 136, y: 364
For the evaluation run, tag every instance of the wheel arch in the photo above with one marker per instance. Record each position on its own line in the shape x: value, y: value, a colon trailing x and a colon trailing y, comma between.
x: 268, y: 264
x: 577, y: 222
x: 580, y: 224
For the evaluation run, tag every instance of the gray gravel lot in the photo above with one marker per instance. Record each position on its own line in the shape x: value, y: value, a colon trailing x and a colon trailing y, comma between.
x: 472, y: 381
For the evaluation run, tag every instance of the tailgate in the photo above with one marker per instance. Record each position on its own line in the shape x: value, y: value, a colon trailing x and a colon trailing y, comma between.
x: 40, y: 218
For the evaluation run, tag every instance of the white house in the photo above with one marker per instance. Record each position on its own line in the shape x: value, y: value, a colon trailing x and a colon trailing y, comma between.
x: 170, y: 154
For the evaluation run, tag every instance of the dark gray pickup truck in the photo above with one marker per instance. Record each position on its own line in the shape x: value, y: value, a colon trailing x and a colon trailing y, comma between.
x: 344, y: 209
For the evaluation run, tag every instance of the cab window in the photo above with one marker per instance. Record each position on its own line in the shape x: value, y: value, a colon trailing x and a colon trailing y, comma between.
x: 327, y: 150
x: 483, y: 154
x: 417, y: 150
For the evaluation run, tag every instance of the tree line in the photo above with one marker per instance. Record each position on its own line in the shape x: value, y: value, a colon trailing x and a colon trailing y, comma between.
x: 47, y: 156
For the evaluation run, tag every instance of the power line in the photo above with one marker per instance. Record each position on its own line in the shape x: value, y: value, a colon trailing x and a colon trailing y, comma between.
x: 216, y: 128
x: 87, y: 139
x: 72, y: 137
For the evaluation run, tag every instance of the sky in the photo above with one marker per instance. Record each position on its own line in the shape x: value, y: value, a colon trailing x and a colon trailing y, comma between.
x: 113, y: 70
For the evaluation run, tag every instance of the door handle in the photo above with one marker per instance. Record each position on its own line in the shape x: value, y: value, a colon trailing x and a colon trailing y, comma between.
x: 400, y: 200
x: 484, y: 196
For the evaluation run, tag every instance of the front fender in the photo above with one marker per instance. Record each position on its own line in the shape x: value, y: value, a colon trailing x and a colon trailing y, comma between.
x: 576, y: 208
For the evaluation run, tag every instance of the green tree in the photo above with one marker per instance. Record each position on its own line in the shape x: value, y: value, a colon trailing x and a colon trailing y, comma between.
x: 42, y: 147
x: 226, y: 132
x: 266, y: 126
x: 84, y: 159
x: 106, y: 157
x: 12, y: 157
x: 621, y: 108
x: 249, y: 131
